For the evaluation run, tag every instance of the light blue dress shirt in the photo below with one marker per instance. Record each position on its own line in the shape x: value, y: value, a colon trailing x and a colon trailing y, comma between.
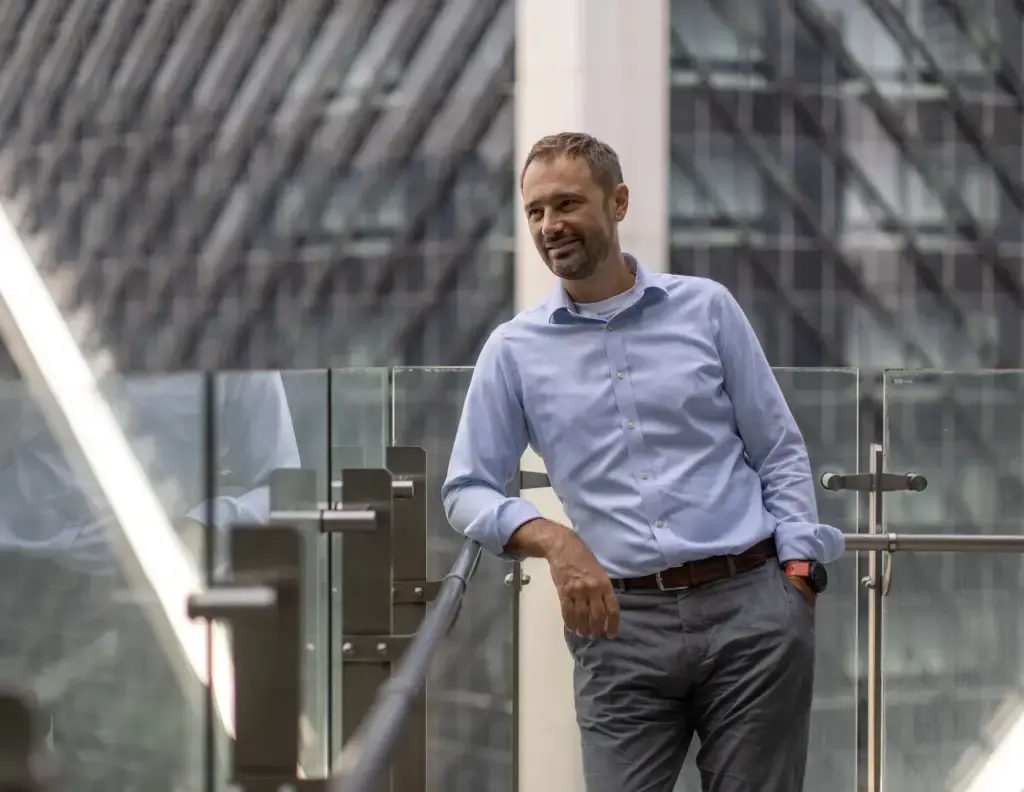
x: 664, y: 432
x: 46, y: 508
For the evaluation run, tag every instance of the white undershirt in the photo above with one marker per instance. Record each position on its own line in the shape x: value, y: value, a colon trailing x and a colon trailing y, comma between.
x: 606, y: 309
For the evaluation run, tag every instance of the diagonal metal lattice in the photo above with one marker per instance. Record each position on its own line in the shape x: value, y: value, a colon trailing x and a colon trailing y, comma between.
x: 218, y: 175
x: 962, y: 219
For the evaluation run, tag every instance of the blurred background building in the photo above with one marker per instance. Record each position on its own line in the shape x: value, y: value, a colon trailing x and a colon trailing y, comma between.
x: 331, y: 183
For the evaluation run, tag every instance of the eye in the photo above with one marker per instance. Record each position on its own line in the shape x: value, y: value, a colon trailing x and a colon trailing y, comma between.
x: 567, y: 205
x: 533, y: 214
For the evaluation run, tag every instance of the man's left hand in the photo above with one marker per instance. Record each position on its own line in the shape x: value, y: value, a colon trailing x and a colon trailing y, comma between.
x: 805, y: 590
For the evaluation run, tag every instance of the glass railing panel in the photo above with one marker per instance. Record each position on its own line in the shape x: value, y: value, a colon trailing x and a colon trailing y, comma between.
x: 94, y: 611
x: 825, y: 405
x: 953, y: 623
x: 359, y: 433
x: 470, y: 722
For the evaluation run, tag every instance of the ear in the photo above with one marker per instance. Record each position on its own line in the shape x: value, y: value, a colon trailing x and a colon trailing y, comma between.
x: 620, y: 203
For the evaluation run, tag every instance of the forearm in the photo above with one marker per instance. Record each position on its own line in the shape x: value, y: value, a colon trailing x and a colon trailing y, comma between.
x: 538, y: 539
x: 486, y: 515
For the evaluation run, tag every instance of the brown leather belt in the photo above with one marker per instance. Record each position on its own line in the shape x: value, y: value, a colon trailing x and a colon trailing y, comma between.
x: 702, y: 572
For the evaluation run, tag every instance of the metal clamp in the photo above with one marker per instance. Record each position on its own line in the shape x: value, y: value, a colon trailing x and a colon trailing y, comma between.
x: 414, y: 591
x: 526, y: 479
x: 876, y: 483
x: 517, y: 579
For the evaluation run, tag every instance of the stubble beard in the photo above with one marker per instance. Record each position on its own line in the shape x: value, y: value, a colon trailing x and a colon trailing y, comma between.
x: 583, y: 262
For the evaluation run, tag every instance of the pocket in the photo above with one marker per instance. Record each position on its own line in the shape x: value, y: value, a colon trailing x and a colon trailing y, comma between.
x: 792, y: 593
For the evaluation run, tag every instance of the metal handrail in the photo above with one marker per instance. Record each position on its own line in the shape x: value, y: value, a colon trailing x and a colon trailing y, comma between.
x: 934, y: 543
x: 365, y: 757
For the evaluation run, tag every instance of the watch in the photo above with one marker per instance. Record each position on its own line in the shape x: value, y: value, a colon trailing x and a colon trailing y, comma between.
x: 811, y: 571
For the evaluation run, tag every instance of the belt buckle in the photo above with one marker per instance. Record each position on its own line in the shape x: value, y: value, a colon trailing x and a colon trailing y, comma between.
x: 664, y: 588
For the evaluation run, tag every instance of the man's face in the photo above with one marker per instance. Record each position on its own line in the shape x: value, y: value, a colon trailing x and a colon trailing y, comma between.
x: 571, y: 219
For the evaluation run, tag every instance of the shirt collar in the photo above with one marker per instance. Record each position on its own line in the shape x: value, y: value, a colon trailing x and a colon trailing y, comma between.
x: 561, y: 306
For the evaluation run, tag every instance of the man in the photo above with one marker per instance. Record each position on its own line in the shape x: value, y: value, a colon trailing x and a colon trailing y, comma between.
x: 72, y: 624
x: 688, y: 575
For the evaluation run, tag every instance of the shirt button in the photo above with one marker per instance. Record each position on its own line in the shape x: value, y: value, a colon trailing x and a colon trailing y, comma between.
x: 619, y: 375
x: 631, y: 425
x: 660, y: 523
x: 643, y: 475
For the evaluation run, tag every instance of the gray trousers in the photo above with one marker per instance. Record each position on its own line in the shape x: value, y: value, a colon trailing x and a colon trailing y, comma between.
x: 732, y: 662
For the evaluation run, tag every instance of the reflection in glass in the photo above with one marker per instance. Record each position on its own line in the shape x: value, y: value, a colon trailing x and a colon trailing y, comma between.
x: 471, y: 685
x: 953, y: 622
x: 87, y: 633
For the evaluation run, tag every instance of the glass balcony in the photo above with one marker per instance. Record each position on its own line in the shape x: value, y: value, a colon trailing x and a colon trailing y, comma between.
x: 919, y: 681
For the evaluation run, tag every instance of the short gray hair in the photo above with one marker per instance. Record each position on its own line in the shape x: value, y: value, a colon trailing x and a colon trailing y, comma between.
x: 600, y: 157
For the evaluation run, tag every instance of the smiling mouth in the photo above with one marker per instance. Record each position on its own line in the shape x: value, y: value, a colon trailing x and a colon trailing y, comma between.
x: 561, y: 246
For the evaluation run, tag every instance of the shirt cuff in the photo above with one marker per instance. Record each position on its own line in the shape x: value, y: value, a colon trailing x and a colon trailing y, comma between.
x: 225, y: 512
x: 808, y: 542
x: 493, y: 531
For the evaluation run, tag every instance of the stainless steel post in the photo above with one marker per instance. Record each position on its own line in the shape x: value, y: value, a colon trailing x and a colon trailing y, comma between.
x: 874, y: 583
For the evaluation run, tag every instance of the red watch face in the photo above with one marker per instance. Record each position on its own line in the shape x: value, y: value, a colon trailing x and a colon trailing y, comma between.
x: 798, y: 569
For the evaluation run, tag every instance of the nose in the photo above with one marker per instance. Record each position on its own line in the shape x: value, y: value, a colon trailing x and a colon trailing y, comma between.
x: 551, y: 226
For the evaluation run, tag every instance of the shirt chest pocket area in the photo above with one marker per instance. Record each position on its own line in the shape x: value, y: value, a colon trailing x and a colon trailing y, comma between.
x: 570, y: 410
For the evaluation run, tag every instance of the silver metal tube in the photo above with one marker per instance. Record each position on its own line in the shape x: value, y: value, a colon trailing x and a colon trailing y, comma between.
x: 344, y: 516
x: 874, y: 583
x: 400, y: 489
x: 233, y: 598
x: 934, y: 543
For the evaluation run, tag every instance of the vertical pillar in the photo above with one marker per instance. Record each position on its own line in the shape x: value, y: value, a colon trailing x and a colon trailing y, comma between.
x: 601, y: 68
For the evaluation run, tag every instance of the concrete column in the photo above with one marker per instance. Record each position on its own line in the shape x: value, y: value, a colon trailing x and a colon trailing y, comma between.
x: 595, y: 66
x: 601, y: 67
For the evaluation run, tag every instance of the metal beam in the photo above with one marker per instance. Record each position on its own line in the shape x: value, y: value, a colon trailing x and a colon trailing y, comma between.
x: 830, y: 346
x: 895, y: 22
x: 1007, y: 77
x: 965, y: 224
x: 323, y: 142
x: 225, y: 150
x: 482, y: 32
x: 776, y: 175
x: 454, y: 35
x: 833, y: 146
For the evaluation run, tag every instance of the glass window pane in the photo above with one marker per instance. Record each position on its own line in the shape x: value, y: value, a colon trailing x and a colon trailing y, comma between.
x: 358, y: 436
x: 470, y: 726
x: 104, y: 645
x: 953, y: 621
x: 704, y: 29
